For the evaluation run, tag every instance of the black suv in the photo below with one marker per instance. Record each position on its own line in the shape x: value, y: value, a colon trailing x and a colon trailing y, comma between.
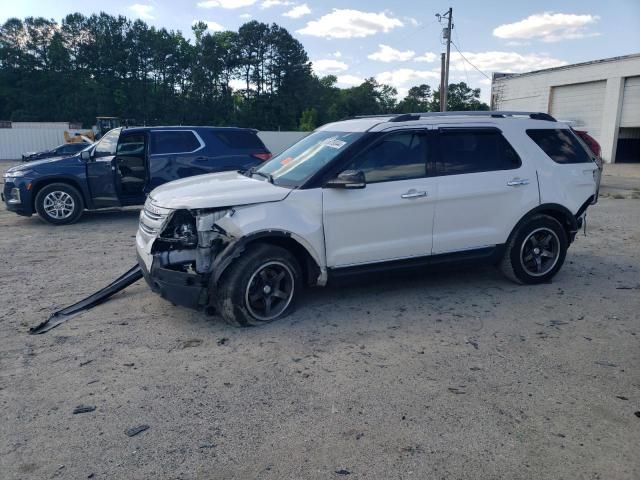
x: 124, y: 166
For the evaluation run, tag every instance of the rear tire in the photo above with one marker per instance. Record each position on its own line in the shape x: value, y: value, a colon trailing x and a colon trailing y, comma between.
x: 535, y: 251
x: 259, y: 287
x: 59, y: 204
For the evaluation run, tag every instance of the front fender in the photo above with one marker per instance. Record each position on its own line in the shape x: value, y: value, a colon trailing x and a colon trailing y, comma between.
x: 235, y: 248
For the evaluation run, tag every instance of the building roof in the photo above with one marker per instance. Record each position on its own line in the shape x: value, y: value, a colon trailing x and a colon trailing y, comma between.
x: 498, y: 75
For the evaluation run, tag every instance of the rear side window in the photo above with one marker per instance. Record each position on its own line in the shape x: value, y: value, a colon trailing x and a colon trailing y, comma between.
x: 560, y: 145
x: 475, y: 150
x: 240, y: 140
x: 177, y: 141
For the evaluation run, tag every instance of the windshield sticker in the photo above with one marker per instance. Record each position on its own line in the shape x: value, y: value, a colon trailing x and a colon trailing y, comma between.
x: 285, y: 161
x: 333, y: 142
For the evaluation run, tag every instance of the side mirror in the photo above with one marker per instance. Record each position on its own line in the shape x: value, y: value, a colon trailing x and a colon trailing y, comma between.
x: 349, y: 179
x: 85, y: 155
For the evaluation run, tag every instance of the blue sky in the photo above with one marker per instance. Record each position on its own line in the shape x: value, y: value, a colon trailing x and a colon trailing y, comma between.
x: 399, y: 42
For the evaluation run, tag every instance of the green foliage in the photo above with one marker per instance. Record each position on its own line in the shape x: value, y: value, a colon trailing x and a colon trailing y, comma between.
x: 259, y: 76
x: 309, y: 120
x: 417, y: 100
x: 460, y: 97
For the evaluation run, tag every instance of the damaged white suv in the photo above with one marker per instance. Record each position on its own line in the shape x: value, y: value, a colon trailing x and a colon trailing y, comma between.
x: 369, y: 194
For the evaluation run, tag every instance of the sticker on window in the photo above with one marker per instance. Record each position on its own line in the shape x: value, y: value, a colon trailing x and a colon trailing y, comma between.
x: 333, y: 142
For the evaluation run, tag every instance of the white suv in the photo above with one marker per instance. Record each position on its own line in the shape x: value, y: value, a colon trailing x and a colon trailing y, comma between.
x: 368, y: 194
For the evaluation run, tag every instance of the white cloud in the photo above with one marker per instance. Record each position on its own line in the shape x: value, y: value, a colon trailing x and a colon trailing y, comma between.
x: 275, y: 3
x: 506, y: 62
x: 245, y: 15
x: 386, y: 53
x: 427, y: 57
x: 228, y: 4
x: 349, y: 80
x: 412, y: 21
x: 211, y: 25
x: 142, y: 11
x: 347, y: 23
x: 407, y: 77
x: 548, y: 27
x: 298, y: 11
x: 337, y: 54
x: 328, y: 65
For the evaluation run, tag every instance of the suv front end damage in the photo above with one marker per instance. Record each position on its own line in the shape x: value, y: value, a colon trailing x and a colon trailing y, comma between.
x: 177, y: 250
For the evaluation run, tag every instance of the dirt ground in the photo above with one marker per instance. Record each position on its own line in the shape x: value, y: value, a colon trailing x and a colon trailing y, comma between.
x: 445, y: 374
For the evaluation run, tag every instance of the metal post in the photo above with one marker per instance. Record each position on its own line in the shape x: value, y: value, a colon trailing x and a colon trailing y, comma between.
x: 442, y: 88
x: 446, y: 75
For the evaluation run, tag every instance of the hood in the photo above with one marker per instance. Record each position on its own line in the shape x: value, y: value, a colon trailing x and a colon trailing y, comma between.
x: 224, y: 189
x: 33, y: 164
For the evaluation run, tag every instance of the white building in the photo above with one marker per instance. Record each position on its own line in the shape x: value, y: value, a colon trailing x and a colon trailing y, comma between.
x: 601, y: 97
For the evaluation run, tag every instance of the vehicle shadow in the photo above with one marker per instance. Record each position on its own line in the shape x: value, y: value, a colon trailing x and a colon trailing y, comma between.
x: 99, y: 216
x: 469, y: 290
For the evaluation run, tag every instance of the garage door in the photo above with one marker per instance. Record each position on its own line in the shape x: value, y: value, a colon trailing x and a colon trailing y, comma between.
x: 581, y: 103
x: 631, y: 103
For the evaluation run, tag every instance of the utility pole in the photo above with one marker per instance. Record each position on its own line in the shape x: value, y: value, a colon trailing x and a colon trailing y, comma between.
x: 442, y: 83
x: 446, y: 34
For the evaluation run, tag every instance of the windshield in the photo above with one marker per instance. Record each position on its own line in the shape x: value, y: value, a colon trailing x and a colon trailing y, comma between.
x: 299, y: 162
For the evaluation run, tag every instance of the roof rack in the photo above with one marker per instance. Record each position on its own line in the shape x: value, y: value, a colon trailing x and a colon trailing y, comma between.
x: 404, y: 117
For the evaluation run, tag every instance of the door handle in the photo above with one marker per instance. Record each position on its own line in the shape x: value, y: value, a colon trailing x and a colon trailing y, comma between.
x: 516, y: 182
x: 413, y: 194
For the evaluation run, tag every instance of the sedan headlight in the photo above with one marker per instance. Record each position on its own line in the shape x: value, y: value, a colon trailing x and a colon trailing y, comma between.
x: 16, y: 174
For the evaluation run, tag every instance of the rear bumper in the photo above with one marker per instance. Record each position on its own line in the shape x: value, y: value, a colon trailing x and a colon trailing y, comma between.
x: 180, y: 288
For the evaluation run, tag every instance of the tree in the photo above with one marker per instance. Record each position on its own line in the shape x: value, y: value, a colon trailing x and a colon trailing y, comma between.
x: 460, y: 97
x: 309, y: 120
x: 418, y: 99
x: 102, y: 64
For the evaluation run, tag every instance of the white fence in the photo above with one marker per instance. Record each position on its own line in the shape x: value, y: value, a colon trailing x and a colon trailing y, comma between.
x: 276, y: 142
x: 31, y: 137
x: 25, y: 137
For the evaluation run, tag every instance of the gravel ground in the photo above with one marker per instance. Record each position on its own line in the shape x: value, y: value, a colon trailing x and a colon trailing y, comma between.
x: 445, y: 374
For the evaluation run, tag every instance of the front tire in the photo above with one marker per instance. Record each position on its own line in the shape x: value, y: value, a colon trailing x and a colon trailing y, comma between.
x: 259, y: 287
x: 536, y: 251
x: 59, y: 204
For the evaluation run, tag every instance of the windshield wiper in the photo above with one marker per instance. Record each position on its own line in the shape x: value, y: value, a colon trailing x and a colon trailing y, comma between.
x: 268, y: 176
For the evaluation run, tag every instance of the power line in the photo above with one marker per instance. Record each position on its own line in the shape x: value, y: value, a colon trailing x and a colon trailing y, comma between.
x: 466, y: 73
x: 465, y: 59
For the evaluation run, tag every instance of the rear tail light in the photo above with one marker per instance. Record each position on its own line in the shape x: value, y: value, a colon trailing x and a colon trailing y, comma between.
x: 262, y: 156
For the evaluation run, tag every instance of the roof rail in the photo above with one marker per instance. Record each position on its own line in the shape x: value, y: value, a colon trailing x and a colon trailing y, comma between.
x: 489, y: 113
x: 403, y: 117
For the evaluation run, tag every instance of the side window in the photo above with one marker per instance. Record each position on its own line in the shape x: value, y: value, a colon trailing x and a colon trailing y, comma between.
x: 107, y: 144
x: 561, y: 146
x: 131, y: 145
x: 475, y: 150
x: 240, y: 140
x: 176, y: 141
x: 398, y: 156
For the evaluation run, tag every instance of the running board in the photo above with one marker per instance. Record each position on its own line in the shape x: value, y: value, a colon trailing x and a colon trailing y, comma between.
x: 61, y: 316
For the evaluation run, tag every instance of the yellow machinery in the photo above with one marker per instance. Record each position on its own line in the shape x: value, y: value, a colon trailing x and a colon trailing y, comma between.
x: 88, y: 136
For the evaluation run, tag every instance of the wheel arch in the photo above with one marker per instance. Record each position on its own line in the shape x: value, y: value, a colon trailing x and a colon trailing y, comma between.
x: 554, y: 210
x: 42, y: 183
x: 313, y: 273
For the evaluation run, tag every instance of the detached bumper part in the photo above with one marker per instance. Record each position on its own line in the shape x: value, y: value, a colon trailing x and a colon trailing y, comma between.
x: 180, y: 288
x: 131, y: 276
